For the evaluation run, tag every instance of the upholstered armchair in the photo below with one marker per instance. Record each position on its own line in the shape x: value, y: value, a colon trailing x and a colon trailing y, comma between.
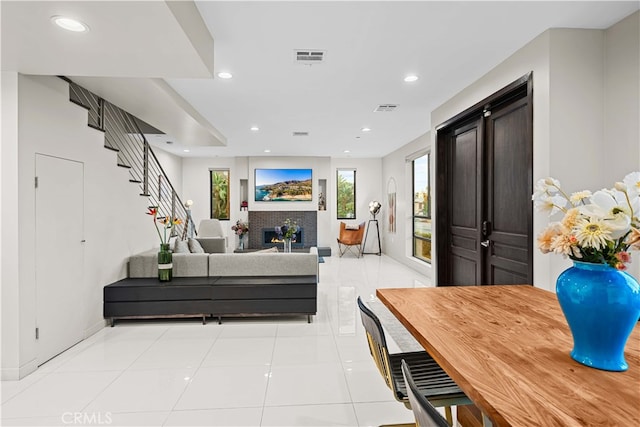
x: 211, y: 236
x: 351, y: 238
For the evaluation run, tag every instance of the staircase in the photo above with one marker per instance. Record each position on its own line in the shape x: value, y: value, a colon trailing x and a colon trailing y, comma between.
x: 122, y: 134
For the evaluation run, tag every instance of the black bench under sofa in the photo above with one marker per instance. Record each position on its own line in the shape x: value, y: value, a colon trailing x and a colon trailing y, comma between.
x: 247, y: 284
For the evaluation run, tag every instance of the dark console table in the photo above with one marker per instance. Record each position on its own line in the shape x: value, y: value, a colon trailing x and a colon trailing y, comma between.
x: 204, y: 297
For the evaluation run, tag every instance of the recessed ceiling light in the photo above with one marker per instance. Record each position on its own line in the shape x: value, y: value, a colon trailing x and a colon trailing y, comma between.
x: 347, y: 151
x: 186, y: 150
x: 365, y: 129
x: 70, y: 24
x: 267, y: 150
x: 225, y: 75
x: 411, y: 78
x: 255, y: 128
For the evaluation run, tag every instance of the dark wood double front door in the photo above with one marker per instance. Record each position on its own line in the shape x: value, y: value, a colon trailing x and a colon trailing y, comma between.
x: 484, y: 174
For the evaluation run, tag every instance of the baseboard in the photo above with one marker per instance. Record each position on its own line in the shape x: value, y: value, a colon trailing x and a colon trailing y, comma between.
x: 15, y: 374
x: 95, y: 328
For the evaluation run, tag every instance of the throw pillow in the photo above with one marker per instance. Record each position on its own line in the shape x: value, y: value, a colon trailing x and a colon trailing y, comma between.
x: 181, y: 247
x: 351, y: 227
x: 195, y: 247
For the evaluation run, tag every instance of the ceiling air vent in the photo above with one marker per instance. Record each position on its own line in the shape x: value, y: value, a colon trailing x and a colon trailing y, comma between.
x: 385, y: 108
x: 309, y: 56
x: 300, y: 133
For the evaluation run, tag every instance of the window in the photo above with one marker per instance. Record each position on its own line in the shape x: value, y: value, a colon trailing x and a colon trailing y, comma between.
x: 346, y: 190
x: 219, y: 183
x: 422, y: 208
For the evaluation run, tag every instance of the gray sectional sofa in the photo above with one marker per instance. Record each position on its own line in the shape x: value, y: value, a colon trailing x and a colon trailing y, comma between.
x: 217, y: 285
x: 228, y: 264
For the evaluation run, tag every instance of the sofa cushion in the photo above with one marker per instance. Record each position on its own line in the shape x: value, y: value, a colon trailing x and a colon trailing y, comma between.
x: 181, y: 247
x: 195, y: 247
x: 145, y: 264
x: 190, y: 265
x: 264, y: 264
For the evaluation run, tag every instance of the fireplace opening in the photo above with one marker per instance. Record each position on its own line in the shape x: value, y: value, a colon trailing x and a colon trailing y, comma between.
x: 270, y: 238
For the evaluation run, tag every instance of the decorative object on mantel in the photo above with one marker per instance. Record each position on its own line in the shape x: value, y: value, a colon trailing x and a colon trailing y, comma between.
x: 321, y: 202
x: 287, y: 233
x: 165, y: 258
x: 600, y: 301
x: 240, y: 228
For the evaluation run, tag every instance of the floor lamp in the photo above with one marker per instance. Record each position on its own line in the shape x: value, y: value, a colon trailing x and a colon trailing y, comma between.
x: 374, y: 208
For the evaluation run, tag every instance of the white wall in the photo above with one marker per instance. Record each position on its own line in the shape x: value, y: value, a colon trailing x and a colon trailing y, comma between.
x: 172, y: 166
x: 622, y: 105
x: 534, y: 56
x: 115, y: 224
x: 621, y: 98
x: 368, y: 187
x: 196, y: 187
x: 9, y: 227
x: 571, y: 92
x: 399, y: 245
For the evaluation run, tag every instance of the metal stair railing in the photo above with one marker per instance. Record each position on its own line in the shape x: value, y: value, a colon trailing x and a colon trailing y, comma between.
x: 123, y: 135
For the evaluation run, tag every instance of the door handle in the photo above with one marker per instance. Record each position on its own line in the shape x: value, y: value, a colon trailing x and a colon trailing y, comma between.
x: 485, y: 243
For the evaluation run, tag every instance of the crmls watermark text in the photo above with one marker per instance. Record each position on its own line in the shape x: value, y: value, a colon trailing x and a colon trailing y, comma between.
x: 87, y: 418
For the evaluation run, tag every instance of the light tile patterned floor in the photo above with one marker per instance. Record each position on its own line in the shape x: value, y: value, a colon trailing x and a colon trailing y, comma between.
x: 245, y: 372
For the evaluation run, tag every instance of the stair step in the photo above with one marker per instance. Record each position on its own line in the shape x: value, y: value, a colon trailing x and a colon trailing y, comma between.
x: 95, y: 127
x: 111, y: 148
x: 145, y: 194
x: 124, y: 166
x: 135, y: 181
x: 79, y: 104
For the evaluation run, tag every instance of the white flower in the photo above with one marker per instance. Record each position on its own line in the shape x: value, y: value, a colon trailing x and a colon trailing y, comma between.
x: 551, y: 204
x: 618, y: 224
x: 579, y: 197
x: 543, y: 189
x: 612, y: 206
x: 620, y: 186
x: 553, y: 184
x: 632, y: 181
x: 597, y: 227
x: 592, y: 233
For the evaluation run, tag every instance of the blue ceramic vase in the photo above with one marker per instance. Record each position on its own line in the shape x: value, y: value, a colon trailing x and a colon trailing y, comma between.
x: 602, y: 306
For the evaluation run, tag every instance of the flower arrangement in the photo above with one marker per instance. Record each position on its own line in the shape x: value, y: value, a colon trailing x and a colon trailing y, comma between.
x: 288, y: 230
x: 240, y: 228
x: 374, y: 207
x: 167, y: 224
x: 600, y: 228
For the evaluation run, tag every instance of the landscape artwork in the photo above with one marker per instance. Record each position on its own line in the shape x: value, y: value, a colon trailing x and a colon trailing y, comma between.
x: 283, y: 185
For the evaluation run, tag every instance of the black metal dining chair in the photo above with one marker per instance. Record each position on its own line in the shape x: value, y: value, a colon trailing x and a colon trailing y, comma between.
x: 432, y: 382
x: 425, y: 413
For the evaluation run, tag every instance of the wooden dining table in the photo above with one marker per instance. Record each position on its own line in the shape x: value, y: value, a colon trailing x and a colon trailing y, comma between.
x: 508, y: 348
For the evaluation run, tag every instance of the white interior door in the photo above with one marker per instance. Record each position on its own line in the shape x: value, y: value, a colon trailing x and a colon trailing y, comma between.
x: 59, y: 254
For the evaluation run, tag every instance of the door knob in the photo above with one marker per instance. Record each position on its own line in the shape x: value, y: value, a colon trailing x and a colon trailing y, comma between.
x: 485, y: 243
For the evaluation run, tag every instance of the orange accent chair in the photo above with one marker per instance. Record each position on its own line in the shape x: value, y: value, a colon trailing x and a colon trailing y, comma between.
x: 350, y: 239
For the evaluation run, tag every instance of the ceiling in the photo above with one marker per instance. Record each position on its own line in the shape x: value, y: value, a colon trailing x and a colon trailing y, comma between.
x: 168, y: 52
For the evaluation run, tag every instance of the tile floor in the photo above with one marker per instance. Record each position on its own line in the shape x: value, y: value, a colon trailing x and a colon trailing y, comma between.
x: 245, y: 372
